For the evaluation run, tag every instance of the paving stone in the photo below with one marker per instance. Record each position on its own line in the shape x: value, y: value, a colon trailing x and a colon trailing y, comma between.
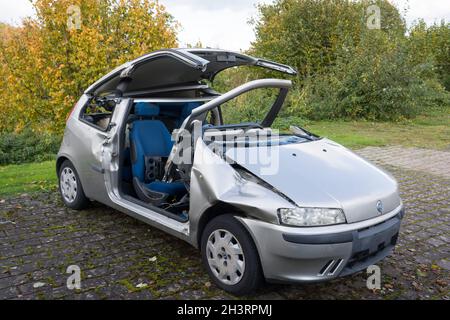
x: 436, y: 242
x: 114, y: 251
x: 444, y: 264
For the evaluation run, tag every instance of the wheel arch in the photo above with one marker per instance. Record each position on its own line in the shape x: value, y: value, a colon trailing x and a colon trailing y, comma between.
x: 59, y: 163
x: 60, y: 160
x: 218, y: 209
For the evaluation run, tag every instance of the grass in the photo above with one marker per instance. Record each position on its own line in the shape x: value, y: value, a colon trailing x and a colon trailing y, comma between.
x: 430, y: 131
x: 27, y: 178
x: 427, y: 131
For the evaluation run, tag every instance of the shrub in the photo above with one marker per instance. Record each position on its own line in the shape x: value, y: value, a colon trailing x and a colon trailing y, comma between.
x: 432, y: 43
x: 349, y: 71
x: 372, y: 81
x: 308, y: 34
x: 27, y: 146
x: 252, y: 106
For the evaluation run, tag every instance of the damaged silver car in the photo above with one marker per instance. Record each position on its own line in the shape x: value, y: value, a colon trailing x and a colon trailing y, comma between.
x: 151, y: 139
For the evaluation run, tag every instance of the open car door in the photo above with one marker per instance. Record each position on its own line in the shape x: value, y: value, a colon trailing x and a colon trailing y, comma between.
x: 175, y: 70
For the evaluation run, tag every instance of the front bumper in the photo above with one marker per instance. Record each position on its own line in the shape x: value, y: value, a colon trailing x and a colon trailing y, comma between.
x: 317, y: 254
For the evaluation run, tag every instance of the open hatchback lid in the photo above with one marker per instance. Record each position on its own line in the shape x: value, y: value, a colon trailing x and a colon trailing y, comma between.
x: 174, y: 70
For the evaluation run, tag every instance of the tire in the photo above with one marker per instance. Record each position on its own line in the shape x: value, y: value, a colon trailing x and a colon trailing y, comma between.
x: 238, y: 274
x: 70, y: 188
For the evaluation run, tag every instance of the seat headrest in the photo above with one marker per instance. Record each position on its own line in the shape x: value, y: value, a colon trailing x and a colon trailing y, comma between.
x: 145, y: 109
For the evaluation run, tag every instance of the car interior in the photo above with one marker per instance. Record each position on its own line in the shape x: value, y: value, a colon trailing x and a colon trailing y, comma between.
x: 148, y: 144
x: 98, y: 112
x: 145, y: 176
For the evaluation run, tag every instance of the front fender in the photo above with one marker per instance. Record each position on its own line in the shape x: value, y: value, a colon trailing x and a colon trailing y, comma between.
x: 213, y: 180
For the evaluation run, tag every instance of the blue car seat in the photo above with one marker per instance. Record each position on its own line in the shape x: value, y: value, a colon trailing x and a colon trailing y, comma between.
x: 150, y: 138
x: 187, y: 110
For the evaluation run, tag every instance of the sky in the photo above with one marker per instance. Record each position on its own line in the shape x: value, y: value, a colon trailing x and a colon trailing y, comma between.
x: 224, y: 23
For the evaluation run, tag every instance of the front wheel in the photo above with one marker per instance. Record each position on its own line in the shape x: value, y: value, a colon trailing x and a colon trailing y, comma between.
x: 70, y: 187
x: 230, y: 256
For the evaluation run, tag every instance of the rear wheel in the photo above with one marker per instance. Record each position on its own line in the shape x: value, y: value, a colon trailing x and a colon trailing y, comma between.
x: 70, y: 187
x: 230, y: 256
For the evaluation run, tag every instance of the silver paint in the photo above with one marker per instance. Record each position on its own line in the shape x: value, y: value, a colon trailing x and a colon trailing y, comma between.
x: 322, y: 174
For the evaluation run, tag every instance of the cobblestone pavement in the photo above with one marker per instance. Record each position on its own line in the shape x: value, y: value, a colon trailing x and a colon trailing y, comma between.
x: 425, y: 160
x: 122, y: 258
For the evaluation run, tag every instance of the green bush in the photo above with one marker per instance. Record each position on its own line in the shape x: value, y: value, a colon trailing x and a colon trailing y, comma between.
x: 27, y: 146
x: 252, y: 106
x: 432, y: 43
x: 349, y: 71
x: 308, y: 34
x: 372, y: 81
x: 381, y: 78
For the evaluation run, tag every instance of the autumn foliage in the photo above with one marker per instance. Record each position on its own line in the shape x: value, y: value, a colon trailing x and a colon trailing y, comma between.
x: 48, y: 61
x: 346, y: 70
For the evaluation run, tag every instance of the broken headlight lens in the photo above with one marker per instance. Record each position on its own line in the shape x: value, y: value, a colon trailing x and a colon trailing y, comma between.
x: 311, y: 217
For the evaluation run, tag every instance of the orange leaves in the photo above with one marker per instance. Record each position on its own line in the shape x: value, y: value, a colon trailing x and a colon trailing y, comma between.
x: 45, y: 66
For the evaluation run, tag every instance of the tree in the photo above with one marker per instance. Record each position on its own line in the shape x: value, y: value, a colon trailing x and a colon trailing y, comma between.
x: 432, y: 44
x: 373, y: 81
x: 48, y: 64
x: 307, y: 34
x: 348, y: 70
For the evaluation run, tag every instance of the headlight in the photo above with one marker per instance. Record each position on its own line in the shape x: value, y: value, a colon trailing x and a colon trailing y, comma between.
x: 311, y: 217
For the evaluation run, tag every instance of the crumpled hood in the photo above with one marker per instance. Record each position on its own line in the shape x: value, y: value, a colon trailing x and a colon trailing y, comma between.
x: 324, y: 174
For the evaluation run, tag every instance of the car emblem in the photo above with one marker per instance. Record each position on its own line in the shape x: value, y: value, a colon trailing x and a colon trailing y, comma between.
x: 380, y: 207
